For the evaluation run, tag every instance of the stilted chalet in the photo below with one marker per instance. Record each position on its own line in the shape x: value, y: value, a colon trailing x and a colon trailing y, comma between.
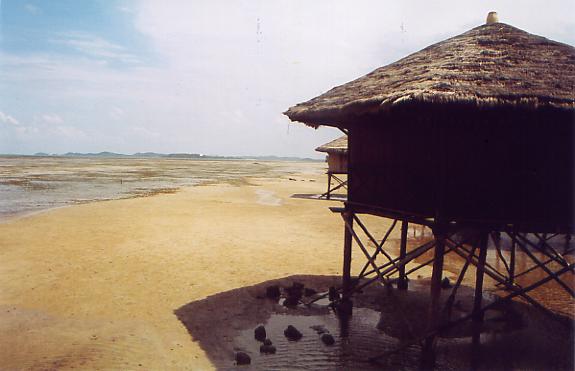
x: 336, y: 164
x: 474, y: 133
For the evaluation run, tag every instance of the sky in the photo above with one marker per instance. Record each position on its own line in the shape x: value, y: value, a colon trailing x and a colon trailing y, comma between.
x: 210, y: 77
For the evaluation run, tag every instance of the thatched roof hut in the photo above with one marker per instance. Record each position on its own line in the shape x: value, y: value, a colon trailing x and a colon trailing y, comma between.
x: 491, y: 65
x: 338, y: 145
x: 479, y: 128
x: 336, y: 155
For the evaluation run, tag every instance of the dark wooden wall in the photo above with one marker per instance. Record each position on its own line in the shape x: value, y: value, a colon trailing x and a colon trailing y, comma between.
x: 502, y: 166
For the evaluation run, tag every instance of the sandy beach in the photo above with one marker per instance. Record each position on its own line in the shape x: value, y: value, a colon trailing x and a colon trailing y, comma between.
x: 175, y: 281
x: 95, y: 286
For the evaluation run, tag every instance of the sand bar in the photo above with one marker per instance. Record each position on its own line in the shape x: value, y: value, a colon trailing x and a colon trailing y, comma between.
x: 96, y: 285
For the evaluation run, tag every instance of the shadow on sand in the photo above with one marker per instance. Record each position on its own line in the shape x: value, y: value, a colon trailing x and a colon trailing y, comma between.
x: 516, y: 337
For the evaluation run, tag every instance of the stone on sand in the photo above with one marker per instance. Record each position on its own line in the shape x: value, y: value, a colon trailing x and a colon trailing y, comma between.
x: 292, y: 333
x: 260, y: 333
x: 243, y: 358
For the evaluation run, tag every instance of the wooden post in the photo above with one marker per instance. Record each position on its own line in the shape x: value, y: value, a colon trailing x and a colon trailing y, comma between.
x: 477, y: 313
x: 512, y: 261
x: 437, y: 274
x: 347, y: 244
x: 428, y: 355
x: 402, y: 282
x: 328, y: 185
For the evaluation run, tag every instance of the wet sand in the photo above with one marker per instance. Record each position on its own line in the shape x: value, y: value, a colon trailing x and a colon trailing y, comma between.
x: 167, y: 281
x: 514, y: 336
x: 95, y: 286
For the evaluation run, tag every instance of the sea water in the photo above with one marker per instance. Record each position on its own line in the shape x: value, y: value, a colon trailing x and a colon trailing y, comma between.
x: 29, y: 184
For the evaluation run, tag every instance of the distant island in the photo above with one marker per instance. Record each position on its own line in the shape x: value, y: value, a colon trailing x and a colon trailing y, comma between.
x: 197, y: 156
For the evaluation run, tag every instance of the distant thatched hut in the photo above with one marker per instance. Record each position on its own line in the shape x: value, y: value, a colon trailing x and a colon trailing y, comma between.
x: 336, y: 163
x: 476, y: 132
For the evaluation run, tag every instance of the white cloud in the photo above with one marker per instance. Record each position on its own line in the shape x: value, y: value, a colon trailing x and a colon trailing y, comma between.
x: 33, y: 9
x: 229, y: 69
x: 116, y: 113
x: 7, y: 119
x: 125, y: 9
x: 95, y: 46
x: 52, y: 118
x: 145, y: 133
x: 69, y: 132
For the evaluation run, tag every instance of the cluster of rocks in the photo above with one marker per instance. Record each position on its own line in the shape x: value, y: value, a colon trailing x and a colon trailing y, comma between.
x: 292, y: 294
x: 291, y: 333
x: 267, y: 346
x: 324, y: 335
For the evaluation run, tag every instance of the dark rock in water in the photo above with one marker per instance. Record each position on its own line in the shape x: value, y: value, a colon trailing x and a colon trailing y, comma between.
x: 291, y: 302
x: 295, y: 291
x: 243, y: 358
x: 267, y: 342
x: 260, y: 333
x: 293, y: 294
x: 333, y: 294
x: 273, y: 292
x: 267, y: 349
x: 309, y: 292
x: 327, y: 339
x: 292, y: 333
x: 345, y: 307
x: 445, y: 284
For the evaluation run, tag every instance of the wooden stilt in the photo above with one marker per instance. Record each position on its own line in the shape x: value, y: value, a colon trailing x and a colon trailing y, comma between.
x: 460, y: 320
x: 512, y: 261
x: 549, y: 250
x: 393, y: 265
x: 370, y: 259
x: 488, y: 267
x: 428, y: 354
x: 537, y: 262
x: 437, y: 273
x: 378, y: 246
x: 451, y: 298
x: 347, y: 244
x: 477, y: 313
x: 496, y: 237
x: 523, y: 242
x: 402, y: 283
x: 465, y: 254
x: 328, y: 193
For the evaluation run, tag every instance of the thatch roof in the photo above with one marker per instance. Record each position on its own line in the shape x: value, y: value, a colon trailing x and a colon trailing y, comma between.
x: 338, y: 145
x: 490, y: 65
